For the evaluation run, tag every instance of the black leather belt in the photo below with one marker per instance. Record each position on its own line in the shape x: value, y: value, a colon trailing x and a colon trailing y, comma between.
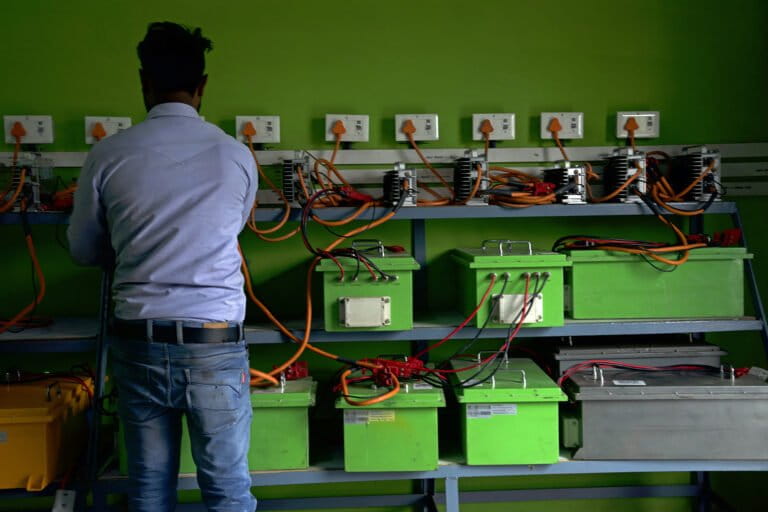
x: 176, y: 332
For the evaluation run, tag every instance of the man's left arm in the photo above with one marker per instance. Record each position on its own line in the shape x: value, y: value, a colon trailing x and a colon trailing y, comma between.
x: 88, y: 236
x: 249, y: 166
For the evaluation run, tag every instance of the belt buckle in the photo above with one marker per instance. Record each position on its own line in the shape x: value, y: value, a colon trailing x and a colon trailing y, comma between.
x: 215, y: 325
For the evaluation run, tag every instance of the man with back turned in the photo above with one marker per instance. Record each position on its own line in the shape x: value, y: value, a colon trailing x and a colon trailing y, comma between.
x: 163, y: 203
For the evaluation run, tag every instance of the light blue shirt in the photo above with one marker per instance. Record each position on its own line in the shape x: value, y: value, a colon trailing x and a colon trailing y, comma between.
x: 167, y: 199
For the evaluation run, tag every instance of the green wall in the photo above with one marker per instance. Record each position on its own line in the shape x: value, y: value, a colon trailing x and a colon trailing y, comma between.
x: 701, y: 63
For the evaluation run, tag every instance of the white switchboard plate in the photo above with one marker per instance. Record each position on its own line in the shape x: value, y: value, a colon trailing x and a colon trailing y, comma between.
x: 426, y: 127
x: 357, y: 127
x: 111, y: 125
x: 39, y: 129
x: 503, y: 126
x: 267, y: 128
x: 647, y: 122
x: 572, y: 125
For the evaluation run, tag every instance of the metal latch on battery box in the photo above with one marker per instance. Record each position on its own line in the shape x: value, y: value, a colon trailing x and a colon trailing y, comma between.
x: 505, y: 247
x: 365, y: 311
x: 508, y: 307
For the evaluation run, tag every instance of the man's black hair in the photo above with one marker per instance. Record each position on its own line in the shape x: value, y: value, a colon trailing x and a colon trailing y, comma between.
x: 173, y: 56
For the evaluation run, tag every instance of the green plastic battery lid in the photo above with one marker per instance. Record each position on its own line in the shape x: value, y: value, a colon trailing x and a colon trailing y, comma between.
x: 391, y: 261
x: 516, y: 380
x: 412, y: 395
x: 295, y: 393
x: 704, y: 253
x: 510, y: 254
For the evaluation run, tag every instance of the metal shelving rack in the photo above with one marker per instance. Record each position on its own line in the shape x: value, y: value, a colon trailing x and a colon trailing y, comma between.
x: 92, y: 336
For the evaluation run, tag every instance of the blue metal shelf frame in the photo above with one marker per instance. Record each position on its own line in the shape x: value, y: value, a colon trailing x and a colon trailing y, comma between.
x: 450, y: 473
x: 265, y: 334
x: 440, y: 212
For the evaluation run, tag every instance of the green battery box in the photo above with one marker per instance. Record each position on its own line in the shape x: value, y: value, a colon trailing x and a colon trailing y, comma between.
x: 399, y: 434
x: 607, y: 285
x: 360, y: 302
x: 279, y: 430
x: 504, y: 305
x: 509, y: 413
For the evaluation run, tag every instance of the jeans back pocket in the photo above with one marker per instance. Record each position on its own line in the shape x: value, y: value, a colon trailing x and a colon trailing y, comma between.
x: 216, y: 398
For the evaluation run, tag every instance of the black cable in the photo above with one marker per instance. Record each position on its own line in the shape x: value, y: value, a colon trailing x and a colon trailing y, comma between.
x: 536, y: 292
x: 507, y: 343
x: 560, y: 241
x: 470, y: 343
x: 651, y: 262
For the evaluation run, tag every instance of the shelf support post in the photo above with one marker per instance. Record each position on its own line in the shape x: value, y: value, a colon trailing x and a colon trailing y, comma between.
x: 92, y: 464
x: 452, y: 494
x: 749, y: 270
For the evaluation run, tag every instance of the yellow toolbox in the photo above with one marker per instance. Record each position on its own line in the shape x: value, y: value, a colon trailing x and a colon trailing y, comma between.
x: 42, y: 430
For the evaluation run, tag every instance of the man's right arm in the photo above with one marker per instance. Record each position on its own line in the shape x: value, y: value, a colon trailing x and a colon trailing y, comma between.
x: 87, y: 233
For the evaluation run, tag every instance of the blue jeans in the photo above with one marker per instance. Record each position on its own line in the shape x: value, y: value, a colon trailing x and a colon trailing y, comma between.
x: 157, y: 383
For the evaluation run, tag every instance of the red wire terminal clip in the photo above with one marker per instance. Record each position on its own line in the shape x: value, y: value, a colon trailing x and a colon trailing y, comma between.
x: 354, y: 195
x: 298, y: 370
x: 541, y: 189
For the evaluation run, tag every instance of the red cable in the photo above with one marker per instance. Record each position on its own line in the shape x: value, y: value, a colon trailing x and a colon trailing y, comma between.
x: 462, y: 324
x: 493, y: 356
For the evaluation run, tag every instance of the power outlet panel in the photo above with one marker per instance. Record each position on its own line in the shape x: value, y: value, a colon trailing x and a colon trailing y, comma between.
x: 647, y: 122
x: 111, y: 125
x: 503, y: 126
x: 572, y: 124
x: 267, y: 128
x: 39, y: 129
x: 357, y: 127
x: 426, y: 127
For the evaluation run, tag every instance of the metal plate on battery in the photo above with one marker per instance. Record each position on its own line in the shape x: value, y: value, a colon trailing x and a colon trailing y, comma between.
x: 507, y: 308
x: 365, y: 311
x: 667, y: 385
x: 656, y: 354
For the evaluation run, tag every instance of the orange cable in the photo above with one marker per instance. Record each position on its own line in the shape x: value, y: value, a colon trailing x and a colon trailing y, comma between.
x: 619, y: 190
x: 5, y: 325
x: 8, y: 205
x: 428, y: 164
x: 370, y: 401
x: 304, y: 342
x: 249, y: 131
x: 477, y: 185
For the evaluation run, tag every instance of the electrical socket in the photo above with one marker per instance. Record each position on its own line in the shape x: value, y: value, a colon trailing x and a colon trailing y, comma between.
x: 39, y: 129
x: 572, y: 123
x: 648, y: 124
x: 356, y: 126
x: 426, y: 126
x: 503, y: 126
x: 267, y: 128
x: 111, y: 125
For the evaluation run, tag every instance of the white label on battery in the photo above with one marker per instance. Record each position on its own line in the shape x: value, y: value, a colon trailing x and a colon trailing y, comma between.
x: 488, y: 410
x: 421, y: 385
x: 3, y: 437
x: 381, y: 416
x: 759, y: 372
x: 629, y: 383
x: 504, y: 409
x: 478, y: 411
x: 355, y: 417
